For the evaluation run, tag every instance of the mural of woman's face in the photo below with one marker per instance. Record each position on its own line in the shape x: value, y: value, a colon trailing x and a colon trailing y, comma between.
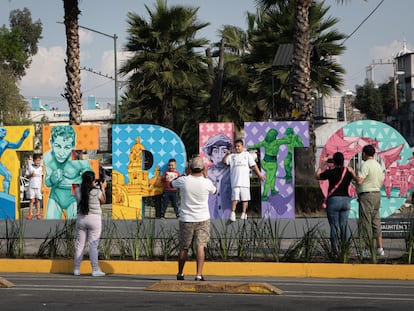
x: 218, y: 153
x: 62, y: 148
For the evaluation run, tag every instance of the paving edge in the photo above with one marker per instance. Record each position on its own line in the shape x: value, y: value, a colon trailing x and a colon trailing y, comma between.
x: 5, y: 284
x: 214, y: 268
x: 215, y: 287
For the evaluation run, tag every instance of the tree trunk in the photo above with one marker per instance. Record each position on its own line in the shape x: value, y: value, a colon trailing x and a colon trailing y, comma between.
x: 73, y: 89
x: 301, y: 89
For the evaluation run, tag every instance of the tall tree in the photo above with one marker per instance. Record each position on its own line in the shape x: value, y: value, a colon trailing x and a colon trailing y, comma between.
x: 13, y: 107
x: 236, y: 103
x: 165, y: 60
x: 301, y: 74
x: 19, y: 43
x: 371, y: 99
x: 275, y: 27
x: 73, y: 84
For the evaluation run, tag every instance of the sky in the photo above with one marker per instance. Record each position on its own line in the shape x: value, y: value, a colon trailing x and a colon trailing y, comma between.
x: 380, y: 38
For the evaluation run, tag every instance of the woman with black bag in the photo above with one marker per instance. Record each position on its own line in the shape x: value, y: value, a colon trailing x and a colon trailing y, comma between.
x: 338, y: 200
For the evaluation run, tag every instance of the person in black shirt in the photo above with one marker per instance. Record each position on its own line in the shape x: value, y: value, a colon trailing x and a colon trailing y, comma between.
x: 338, y: 200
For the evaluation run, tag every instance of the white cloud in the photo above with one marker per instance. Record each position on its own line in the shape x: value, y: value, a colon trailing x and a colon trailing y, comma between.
x: 46, y: 74
x: 107, y: 61
x: 385, y: 52
x: 382, y: 57
x: 85, y: 37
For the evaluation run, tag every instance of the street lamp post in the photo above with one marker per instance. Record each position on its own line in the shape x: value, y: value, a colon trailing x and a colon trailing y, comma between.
x: 395, y: 78
x: 114, y: 37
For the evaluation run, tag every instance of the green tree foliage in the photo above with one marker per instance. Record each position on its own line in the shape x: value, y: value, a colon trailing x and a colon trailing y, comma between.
x: 276, y: 26
x: 167, y: 89
x: 387, y: 97
x: 377, y: 102
x: 13, y: 107
x: 166, y: 75
x: 369, y: 101
x: 19, y: 43
x: 237, y: 103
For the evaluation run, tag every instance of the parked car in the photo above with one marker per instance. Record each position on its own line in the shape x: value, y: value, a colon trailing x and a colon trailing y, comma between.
x: 24, y: 189
x: 106, y: 172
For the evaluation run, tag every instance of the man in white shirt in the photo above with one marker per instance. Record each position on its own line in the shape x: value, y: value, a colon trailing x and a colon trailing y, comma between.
x: 194, y: 214
x: 240, y: 164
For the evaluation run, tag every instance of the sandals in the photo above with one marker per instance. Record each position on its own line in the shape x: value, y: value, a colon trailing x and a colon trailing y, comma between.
x: 30, y: 216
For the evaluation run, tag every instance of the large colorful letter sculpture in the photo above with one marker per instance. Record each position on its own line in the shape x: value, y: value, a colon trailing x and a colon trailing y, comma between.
x: 215, y: 139
x: 12, y: 139
x: 62, y: 170
x: 276, y: 142
x: 393, y: 151
x: 134, y: 176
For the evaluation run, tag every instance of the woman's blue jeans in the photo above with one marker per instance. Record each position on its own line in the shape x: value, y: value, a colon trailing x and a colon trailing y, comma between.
x: 337, y: 210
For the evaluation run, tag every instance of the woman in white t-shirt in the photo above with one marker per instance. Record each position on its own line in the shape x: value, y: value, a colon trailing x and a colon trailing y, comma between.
x: 89, y: 196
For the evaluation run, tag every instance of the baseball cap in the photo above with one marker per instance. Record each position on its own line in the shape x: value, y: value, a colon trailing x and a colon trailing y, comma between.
x: 197, y: 163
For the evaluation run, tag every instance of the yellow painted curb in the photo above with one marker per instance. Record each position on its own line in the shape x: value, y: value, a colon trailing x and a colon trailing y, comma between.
x: 236, y: 269
x: 215, y: 287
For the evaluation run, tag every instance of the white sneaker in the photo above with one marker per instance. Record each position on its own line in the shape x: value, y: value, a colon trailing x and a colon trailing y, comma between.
x: 365, y: 254
x: 76, y: 272
x: 233, y: 216
x: 243, y: 216
x: 380, y: 252
x: 98, y: 273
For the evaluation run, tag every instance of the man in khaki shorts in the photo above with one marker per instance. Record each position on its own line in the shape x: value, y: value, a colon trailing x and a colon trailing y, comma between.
x: 194, y: 215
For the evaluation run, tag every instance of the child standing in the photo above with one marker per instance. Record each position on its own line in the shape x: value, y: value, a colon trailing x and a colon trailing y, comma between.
x: 34, y: 173
x: 170, y: 193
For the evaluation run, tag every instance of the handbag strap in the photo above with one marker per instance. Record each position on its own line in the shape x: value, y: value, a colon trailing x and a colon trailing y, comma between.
x: 339, y: 182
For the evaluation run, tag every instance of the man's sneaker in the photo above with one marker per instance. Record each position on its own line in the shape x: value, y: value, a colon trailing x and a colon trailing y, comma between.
x: 380, y: 252
x: 98, y: 273
x: 180, y: 277
x: 199, y: 278
x: 243, y: 216
x: 30, y: 216
x: 76, y: 272
x: 233, y: 216
x: 365, y: 254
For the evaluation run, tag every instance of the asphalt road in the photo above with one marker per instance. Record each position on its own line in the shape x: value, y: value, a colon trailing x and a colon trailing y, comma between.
x: 126, y: 292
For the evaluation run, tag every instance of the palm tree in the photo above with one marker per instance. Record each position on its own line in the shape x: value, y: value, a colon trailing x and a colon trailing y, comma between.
x: 164, y: 63
x: 236, y: 103
x: 301, y: 75
x: 275, y: 27
x: 302, y: 48
x: 72, y: 90
x: 300, y: 78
